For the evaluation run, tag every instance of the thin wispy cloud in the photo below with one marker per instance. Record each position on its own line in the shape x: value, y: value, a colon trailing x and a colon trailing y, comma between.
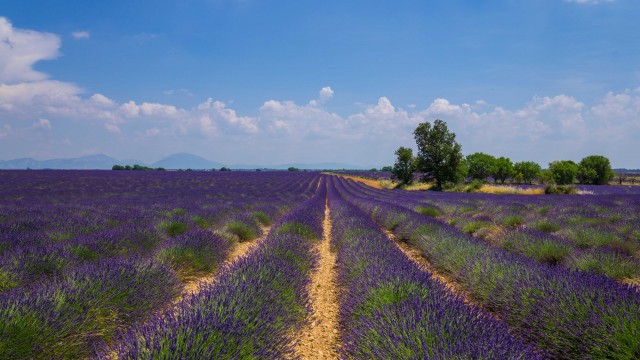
x: 590, y: 2
x: 80, y: 35
x: 178, y: 92
x: 42, y: 124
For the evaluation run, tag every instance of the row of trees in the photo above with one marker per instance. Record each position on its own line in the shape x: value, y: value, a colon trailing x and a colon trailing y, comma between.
x: 440, y: 159
x: 135, y: 167
x: 594, y: 170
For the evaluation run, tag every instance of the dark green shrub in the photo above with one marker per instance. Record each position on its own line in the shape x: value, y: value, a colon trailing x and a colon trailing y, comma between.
x: 60, y: 236
x: 543, y: 210
x: 429, y: 211
x: 513, y: 220
x: 548, y: 252
x: 243, y: 231
x: 6, y: 281
x: 628, y: 248
x: 612, y: 265
x: 178, y: 211
x: 560, y: 189
x: 188, y: 262
x: 473, y: 226
x: 201, y: 222
x: 173, y: 228
x: 297, y: 228
x: 474, y: 186
x: 262, y: 218
x: 84, y: 253
x: 546, y: 226
x: 587, y: 238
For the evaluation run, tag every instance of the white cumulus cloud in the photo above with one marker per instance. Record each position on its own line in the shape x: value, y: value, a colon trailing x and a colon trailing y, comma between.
x: 219, y: 111
x: 288, y: 118
x: 20, y: 49
x: 325, y: 94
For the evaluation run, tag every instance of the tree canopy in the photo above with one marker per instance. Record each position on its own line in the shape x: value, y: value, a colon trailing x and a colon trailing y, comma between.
x: 439, y: 155
x: 480, y: 165
x: 502, y: 169
x: 563, y: 172
x: 528, y: 170
x: 596, y: 170
x: 405, y: 165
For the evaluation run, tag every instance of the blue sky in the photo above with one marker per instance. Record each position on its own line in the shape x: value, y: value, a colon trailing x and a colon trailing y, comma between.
x: 269, y: 82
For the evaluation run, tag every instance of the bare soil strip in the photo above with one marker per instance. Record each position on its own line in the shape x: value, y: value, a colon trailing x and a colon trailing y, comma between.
x: 423, y: 264
x: 319, y: 339
x: 239, y: 250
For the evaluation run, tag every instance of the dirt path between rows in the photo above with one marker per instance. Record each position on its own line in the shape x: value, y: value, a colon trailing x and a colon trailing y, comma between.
x: 192, y: 288
x: 319, y: 338
x: 423, y: 264
x: 239, y: 250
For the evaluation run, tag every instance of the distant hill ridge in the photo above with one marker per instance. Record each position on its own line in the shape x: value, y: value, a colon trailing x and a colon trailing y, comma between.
x: 174, y: 161
x: 186, y: 161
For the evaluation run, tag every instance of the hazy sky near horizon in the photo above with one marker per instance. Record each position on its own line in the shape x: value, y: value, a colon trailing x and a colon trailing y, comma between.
x: 270, y: 82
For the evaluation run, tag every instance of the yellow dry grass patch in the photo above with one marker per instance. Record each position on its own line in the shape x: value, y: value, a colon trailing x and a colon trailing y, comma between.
x: 384, y: 184
x: 418, y: 186
x: 369, y: 182
x: 506, y: 189
x: 633, y: 282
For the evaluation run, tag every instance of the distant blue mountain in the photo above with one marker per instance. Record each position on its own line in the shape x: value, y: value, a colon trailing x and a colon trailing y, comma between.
x: 89, y: 162
x: 186, y: 161
x: 303, y: 166
x: 171, y: 162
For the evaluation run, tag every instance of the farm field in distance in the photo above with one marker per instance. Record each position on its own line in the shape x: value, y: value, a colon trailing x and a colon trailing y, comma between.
x: 191, y: 265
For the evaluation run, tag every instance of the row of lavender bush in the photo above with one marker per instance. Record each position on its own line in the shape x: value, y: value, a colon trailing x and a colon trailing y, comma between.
x: 76, y: 266
x: 54, y: 222
x: 253, y: 307
x: 392, y: 310
x: 599, y: 233
x: 569, y: 314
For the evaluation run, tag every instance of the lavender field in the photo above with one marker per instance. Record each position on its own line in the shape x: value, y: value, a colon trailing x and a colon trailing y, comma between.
x: 221, y: 265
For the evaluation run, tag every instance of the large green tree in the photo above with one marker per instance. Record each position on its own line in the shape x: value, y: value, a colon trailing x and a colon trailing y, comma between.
x: 404, y: 167
x: 502, y: 169
x: 439, y: 155
x: 596, y: 170
x: 480, y: 165
x: 563, y: 172
x: 529, y: 170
